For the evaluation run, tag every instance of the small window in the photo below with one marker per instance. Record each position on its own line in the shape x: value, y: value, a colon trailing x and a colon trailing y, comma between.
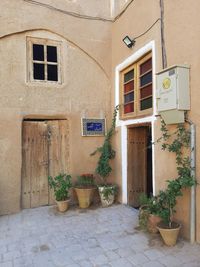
x: 44, y: 60
x: 136, y: 89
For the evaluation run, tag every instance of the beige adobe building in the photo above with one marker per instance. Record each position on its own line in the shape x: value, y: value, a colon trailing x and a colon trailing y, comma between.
x: 65, y: 60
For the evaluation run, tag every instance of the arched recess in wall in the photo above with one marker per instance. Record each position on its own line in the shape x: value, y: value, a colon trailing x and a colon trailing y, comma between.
x: 61, y: 36
x: 85, y: 85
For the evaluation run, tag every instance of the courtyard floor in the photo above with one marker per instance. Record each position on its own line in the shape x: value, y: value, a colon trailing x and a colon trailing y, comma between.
x: 105, y: 237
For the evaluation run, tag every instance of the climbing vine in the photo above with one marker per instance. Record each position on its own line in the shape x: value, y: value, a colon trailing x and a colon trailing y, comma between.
x: 177, y: 142
x: 106, y: 151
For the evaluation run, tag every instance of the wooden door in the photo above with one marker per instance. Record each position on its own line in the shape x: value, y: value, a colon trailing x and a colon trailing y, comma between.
x: 58, y: 149
x: 137, y: 164
x: 35, y: 164
x: 44, y: 152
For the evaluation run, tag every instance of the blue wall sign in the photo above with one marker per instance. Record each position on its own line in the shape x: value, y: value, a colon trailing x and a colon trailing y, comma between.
x: 93, y: 127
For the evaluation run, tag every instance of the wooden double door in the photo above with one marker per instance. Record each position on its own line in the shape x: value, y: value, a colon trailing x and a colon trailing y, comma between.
x: 45, y: 151
x: 139, y: 167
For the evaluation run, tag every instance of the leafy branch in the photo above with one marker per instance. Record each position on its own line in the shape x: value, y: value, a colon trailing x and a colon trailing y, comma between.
x: 177, y: 143
x: 106, y: 151
x: 61, y: 185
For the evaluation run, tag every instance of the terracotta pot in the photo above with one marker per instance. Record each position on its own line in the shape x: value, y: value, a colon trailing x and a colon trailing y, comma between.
x: 106, y: 201
x: 85, y: 196
x: 169, y: 235
x: 63, y: 205
x: 152, y: 222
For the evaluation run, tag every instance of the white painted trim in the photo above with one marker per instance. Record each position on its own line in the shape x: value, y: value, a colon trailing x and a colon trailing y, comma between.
x: 124, y: 123
x: 124, y: 166
x: 153, y: 156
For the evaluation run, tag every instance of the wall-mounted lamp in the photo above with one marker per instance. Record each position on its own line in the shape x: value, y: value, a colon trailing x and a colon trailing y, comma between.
x: 128, y: 42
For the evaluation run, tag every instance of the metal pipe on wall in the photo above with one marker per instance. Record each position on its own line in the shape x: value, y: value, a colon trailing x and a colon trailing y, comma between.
x: 164, y: 54
x: 193, y: 188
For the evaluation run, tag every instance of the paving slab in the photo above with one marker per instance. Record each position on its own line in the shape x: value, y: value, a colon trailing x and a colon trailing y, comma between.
x: 95, y: 237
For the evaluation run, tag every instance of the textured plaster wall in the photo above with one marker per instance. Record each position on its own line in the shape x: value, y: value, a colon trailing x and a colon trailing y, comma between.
x: 90, y: 54
x: 132, y: 24
x: 91, y: 36
x: 94, y: 8
x: 183, y: 44
x: 85, y: 46
x: 182, y: 47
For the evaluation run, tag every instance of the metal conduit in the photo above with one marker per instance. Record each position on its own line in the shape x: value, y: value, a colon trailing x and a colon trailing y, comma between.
x: 193, y: 188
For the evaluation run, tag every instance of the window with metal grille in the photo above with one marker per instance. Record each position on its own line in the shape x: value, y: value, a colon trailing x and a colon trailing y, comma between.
x: 136, y: 89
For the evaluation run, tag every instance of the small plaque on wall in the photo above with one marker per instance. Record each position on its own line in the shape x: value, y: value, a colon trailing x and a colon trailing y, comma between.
x: 93, y: 127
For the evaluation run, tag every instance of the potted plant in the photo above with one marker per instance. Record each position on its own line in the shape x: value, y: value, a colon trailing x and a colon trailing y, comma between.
x: 149, y: 213
x: 106, y: 153
x: 61, y: 185
x: 154, y: 208
x: 85, y: 188
x: 169, y: 229
x: 177, y: 143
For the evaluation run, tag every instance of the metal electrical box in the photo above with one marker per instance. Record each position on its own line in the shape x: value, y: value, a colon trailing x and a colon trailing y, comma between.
x: 173, y: 95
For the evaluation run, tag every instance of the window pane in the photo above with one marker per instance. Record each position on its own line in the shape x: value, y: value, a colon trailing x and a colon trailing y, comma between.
x: 51, y: 53
x: 146, y: 91
x: 129, y: 108
x: 38, y: 71
x: 144, y: 67
x: 129, y: 87
x: 52, y: 73
x: 147, y: 78
x: 129, y: 76
x: 38, y: 52
x: 146, y: 103
x: 129, y: 97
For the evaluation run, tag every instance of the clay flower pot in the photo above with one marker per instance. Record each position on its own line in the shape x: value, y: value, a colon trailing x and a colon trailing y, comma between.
x: 63, y: 205
x: 152, y: 222
x: 85, y: 196
x: 169, y: 235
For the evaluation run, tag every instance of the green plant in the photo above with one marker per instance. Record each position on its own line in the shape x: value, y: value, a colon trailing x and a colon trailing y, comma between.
x: 178, y: 143
x: 143, y: 199
x: 106, y: 152
x: 151, y: 204
x: 85, y: 180
x: 143, y: 217
x: 109, y: 190
x: 154, y: 206
x: 61, y: 185
x: 143, y: 211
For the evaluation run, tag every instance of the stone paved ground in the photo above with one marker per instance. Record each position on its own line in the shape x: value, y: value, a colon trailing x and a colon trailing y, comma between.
x: 107, y: 237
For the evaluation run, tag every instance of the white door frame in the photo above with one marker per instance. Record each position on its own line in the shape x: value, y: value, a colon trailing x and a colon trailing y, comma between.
x: 123, y: 124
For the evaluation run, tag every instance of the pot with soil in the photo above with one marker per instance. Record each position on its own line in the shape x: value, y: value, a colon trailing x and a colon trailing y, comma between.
x: 85, y: 188
x: 169, y: 234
